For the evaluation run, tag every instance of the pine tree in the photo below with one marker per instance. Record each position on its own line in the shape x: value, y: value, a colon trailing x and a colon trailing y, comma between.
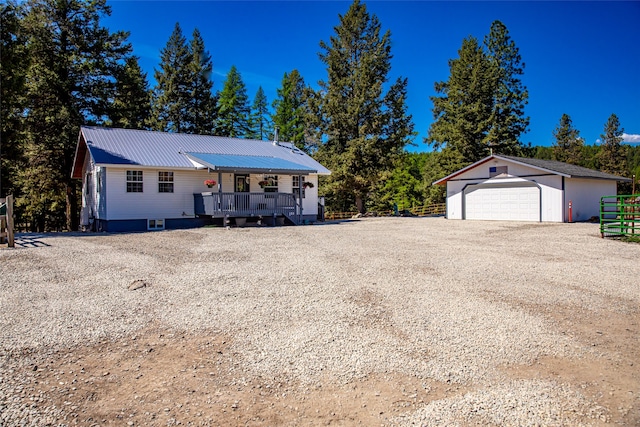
x: 261, y: 127
x: 69, y: 78
x: 613, y: 155
x: 201, y: 110
x: 13, y: 69
x: 131, y: 106
x: 362, y: 135
x: 289, y: 110
x: 568, y: 144
x: 510, y: 97
x: 172, y: 93
x: 233, y: 108
x: 463, y: 110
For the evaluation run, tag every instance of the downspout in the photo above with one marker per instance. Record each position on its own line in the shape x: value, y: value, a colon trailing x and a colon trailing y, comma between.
x: 564, y: 195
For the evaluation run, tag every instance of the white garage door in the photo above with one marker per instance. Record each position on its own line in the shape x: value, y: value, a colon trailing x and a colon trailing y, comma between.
x: 502, y: 202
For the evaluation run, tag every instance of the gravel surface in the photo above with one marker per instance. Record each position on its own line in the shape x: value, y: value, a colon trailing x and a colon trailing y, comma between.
x: 468, y: 304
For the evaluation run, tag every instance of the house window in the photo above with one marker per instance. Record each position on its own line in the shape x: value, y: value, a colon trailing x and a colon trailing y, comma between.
x: 497, y: 170
x: 296, y: 185
x: 165, y: 182
x: 155, y: 224
x: 270, y: 183
x: 134, y: 181
x: 87, y: 184
x: 98, y: 180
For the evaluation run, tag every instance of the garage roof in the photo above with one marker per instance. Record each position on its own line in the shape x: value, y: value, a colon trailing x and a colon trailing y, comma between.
x: 549, y: 166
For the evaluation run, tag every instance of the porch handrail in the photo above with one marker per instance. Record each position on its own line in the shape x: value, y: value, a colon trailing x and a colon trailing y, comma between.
x: 245, y: 204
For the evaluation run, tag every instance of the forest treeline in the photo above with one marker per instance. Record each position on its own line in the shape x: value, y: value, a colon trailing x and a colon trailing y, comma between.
x: 61, y: 69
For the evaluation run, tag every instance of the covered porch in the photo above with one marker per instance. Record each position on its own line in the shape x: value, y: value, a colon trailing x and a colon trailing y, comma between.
x: 246, y: 205
x: 247, y: 172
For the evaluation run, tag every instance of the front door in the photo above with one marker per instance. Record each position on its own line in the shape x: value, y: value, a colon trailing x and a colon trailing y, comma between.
x: 242, y: 186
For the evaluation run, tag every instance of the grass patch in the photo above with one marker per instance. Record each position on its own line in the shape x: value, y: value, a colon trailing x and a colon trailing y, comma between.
x: 631, y: 239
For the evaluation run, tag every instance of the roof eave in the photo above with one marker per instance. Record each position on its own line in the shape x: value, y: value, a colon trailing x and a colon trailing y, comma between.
x: 79, y: 156
x: 444, y: 180
x: 509, y: 159
x: 261, y: 170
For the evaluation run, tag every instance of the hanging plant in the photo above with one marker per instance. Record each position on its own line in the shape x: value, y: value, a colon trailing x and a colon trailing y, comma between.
x: 263, y: 183
x: 209, y: 183
x: 307, y: 184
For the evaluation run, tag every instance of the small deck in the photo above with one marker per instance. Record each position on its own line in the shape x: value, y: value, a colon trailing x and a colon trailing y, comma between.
x: 247, y: 205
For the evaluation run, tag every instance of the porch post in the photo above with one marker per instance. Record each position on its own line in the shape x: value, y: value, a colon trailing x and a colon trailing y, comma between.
x: 300, y: 185
x: 219, y: 182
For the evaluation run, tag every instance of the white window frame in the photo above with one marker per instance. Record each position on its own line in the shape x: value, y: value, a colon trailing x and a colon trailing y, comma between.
x: 134, y: 177
x: 165, y: 178
x: 155, y: 224
x: 498, y: 170
x: 296, y: 185
x: 270, y: 187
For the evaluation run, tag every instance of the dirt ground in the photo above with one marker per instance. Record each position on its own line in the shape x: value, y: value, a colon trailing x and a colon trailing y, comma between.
x: 160, y: 378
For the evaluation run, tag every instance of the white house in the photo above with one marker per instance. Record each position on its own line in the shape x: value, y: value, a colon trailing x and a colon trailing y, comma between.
x: 136, y: 180
x: 519, y: 189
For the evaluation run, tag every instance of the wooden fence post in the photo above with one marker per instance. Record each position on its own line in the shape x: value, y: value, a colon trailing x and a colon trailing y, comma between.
x: 10, y: 237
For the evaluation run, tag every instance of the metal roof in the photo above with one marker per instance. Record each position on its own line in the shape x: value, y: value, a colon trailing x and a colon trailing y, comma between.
x: 552, y: 166
x: 571, y: 171
x: 243, y: 163
x: 111, y: 146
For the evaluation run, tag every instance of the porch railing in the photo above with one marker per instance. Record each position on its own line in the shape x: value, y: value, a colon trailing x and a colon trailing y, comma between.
x: 245, y: 204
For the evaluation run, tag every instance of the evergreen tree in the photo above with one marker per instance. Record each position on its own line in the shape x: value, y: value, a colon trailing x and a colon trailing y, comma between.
x: 71, y: 74
x: 131, y: 106
x: 13, y: 69
x: 568, y: 144
x: 404, y: 186
x: 508, y: 121
x: 361, y: 133
x: 463, y: 108
x: 480, y: 108
x: 233, y: 108
x: 173, y: 90
x: 261, y: 127
x: 289, y: 110
x: 201, y: 109
x: 613, y: 155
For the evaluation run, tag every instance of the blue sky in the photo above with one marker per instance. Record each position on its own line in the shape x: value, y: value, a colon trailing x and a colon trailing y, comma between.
x: 582, y: 58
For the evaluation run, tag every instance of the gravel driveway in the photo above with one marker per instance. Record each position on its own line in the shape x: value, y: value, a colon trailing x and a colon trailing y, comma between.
x: 398, y: 321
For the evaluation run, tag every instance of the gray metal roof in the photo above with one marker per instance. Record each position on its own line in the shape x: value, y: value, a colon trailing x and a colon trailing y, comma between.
x: 559, y: 168
x: 572, y: 171
x: 234, y: 162
x: 166, y: 150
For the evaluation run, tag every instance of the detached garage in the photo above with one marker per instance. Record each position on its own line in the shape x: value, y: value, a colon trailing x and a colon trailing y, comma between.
x: 506, y: 188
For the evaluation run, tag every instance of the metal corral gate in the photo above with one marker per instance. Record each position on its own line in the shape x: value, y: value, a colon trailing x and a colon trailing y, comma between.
x: 620, y: 216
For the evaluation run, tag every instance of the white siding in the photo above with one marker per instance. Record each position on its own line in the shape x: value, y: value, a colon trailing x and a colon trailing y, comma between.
x: 179, y: 204
x: 88, y: 207
x: 151, y: 203
x: 310, y: 202
x: 93, y: 198
x: 550, y: 187
x: 585, y: 196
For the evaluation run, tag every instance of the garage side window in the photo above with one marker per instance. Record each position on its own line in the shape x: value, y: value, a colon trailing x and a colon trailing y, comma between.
x: 497, y: 170
x: 134, y: 181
